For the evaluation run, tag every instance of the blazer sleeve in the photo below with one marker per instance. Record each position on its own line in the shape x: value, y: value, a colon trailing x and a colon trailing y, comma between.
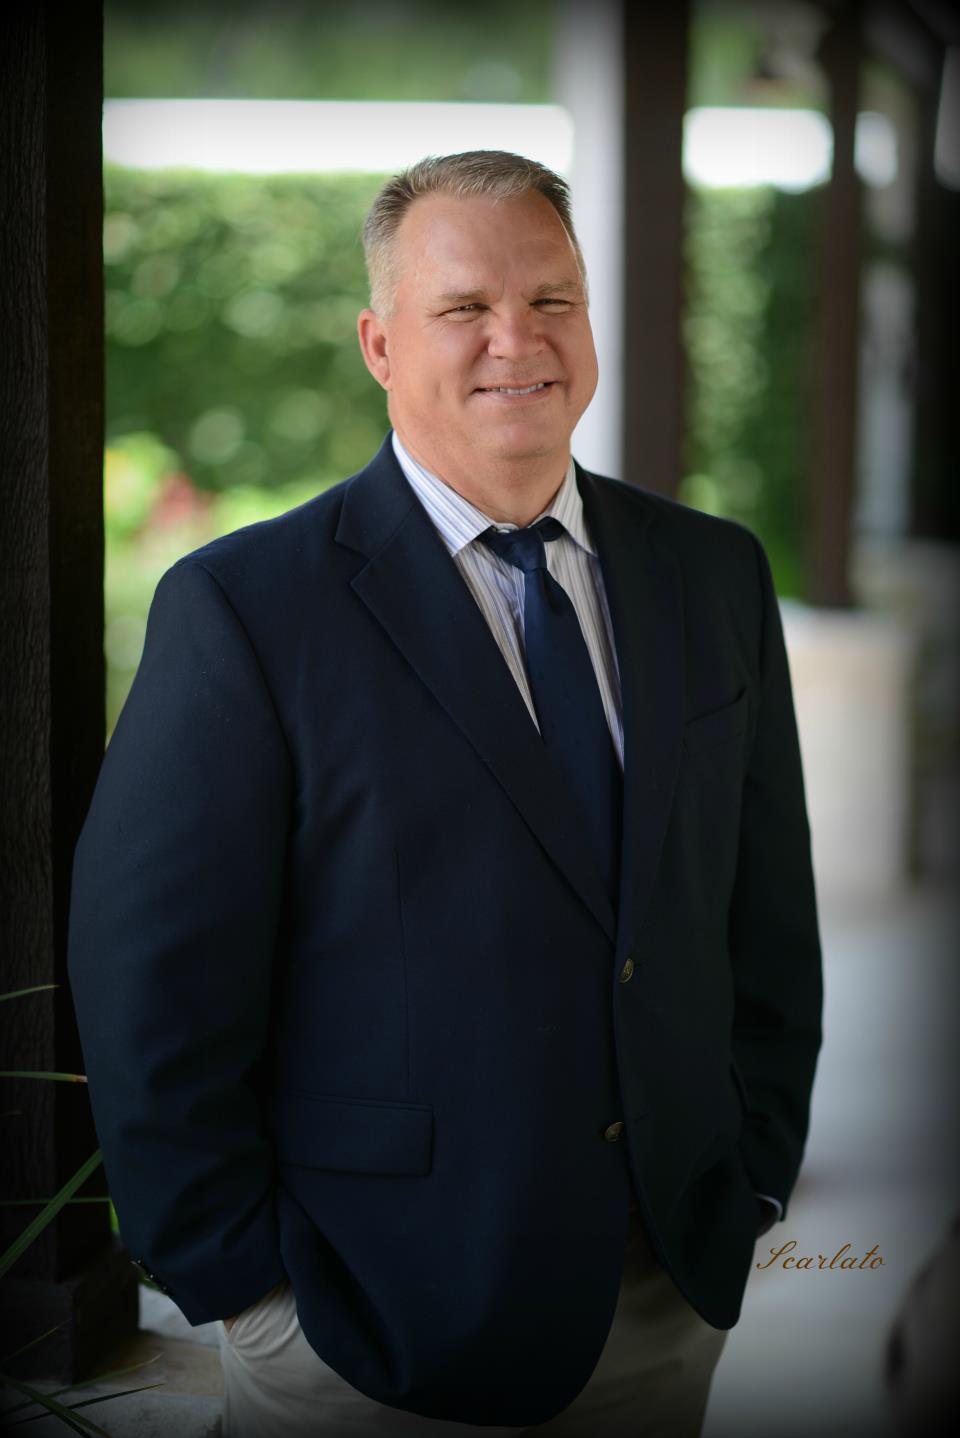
x: 176, y: 893
x: 773, y: 931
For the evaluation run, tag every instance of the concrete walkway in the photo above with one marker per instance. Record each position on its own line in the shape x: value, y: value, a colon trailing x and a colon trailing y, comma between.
x: 806, y: 1357
x: 881, y: 1168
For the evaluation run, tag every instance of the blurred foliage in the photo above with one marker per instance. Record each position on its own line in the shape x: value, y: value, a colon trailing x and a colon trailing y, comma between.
x: 747, y: 52
x: 231, y: 306
x: 366, y: 50
x: 418, y: 50
x: 747, y: 333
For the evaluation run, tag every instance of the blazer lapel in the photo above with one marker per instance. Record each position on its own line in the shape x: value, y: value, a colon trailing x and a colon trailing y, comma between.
x: 642, y: 580
x: 415, y: 591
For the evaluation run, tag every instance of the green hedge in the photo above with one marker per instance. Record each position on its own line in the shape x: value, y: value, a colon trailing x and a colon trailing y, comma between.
x: 750, y: 290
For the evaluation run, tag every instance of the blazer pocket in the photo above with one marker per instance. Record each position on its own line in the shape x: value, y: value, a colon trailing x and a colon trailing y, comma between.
x: 353, y: 1135
x: 716, y: 727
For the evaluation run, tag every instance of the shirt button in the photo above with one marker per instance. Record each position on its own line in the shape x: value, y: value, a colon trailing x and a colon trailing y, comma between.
x: 627, y: 971
x: 613, y: 1131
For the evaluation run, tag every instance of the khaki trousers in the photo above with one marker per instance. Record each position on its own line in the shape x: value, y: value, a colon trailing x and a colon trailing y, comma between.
x: 651, y: 1380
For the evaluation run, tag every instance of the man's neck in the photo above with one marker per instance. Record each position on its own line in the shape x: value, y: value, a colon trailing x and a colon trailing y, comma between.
x: 508, y: 491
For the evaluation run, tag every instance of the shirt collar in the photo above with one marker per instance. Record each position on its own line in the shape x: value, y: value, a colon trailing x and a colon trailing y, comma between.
x: 459, y: 522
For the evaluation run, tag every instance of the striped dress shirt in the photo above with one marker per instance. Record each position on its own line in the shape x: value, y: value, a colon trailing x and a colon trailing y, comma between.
x: 497, y: 586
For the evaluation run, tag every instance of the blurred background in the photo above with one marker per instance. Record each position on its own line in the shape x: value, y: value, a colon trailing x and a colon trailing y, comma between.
x: 767, y: 196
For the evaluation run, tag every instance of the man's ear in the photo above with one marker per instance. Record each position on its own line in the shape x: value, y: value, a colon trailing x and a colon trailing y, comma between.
x: 373, y: 346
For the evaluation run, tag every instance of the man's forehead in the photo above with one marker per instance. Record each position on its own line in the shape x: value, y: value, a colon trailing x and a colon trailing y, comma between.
x: 452, y: 224
x: 458, y: 246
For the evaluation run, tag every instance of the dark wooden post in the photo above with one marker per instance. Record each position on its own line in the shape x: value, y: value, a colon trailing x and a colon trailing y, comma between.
x: 935, y: 497
x: 655, y: 41
x: 837, y: 335
x: 75, y: 1276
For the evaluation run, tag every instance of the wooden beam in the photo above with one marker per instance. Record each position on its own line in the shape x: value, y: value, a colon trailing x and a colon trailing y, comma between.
x: 51, y: 657
x: 655, y: 41
x: 837, y: 326
x: 935, y: 493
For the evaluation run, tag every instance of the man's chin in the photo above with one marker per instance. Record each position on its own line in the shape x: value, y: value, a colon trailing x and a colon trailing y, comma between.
x: 518, y: 443
x: 516, y: 456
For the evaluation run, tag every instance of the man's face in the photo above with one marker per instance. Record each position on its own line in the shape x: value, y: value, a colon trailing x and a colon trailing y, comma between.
x: 489, y: 299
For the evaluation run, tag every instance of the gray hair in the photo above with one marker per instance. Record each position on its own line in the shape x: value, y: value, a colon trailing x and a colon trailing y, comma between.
x: 474, y: 172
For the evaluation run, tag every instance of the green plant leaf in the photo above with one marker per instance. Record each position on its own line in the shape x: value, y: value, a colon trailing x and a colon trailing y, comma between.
x: 86, y: 1383
x: 79, y: 1425
x: 29, y: 1202
x: 87, y: 1402
x: 49, y: 1212
x: 9, y: 1357
x: 89, y: 1383
x: 19, y: 993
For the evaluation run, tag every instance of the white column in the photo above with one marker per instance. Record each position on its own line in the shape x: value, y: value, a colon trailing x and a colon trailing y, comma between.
x: 588, y: 83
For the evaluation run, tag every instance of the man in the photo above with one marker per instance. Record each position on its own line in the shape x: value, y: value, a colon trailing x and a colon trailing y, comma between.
x: 443, y: 937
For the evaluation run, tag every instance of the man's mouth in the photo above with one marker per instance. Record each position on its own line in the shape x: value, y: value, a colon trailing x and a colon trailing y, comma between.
x: 526, y: 389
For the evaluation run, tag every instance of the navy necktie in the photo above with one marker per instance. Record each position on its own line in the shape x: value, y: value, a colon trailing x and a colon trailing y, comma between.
x: 566, y: 695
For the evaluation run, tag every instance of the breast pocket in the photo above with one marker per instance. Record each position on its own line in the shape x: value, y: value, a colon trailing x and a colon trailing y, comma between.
x: 720, y: 726
x: 353, y: 1135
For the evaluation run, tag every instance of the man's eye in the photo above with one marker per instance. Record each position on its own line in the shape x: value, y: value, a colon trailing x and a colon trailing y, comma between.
x: 553, y: 306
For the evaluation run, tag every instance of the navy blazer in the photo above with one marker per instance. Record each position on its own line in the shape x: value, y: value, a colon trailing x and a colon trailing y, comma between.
x: 354, y: 1004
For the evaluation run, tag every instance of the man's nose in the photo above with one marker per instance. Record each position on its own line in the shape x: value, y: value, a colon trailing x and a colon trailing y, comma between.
x: 515, y: 333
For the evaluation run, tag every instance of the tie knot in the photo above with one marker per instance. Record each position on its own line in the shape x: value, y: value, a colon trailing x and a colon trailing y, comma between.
x: 523, y: 548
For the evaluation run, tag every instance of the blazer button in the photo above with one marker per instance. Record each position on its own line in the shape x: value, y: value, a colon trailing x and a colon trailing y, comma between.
x: 613, y: 1131
x: 627, y: 971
